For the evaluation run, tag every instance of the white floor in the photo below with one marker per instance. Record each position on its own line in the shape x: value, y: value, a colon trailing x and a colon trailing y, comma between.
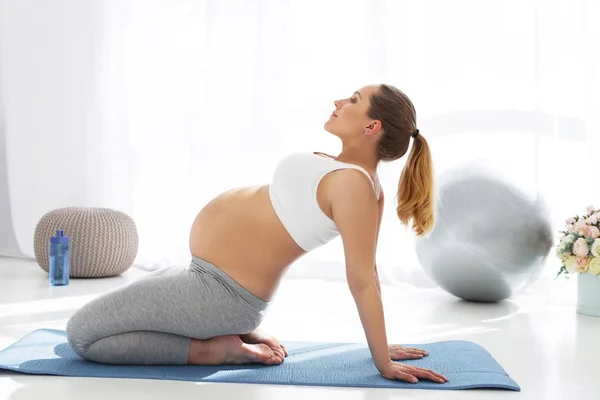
x: 552, y: 352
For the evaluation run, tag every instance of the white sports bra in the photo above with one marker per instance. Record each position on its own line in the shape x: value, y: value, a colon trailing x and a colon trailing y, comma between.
x: 293, y: 194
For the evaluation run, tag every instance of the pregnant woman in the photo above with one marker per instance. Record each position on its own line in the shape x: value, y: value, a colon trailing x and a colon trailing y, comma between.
x: 243, y: 241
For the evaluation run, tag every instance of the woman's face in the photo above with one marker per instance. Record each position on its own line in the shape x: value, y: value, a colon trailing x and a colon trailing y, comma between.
x: 349, y: 118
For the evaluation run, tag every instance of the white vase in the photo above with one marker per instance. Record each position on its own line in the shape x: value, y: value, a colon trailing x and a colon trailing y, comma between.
x: 588, y: 294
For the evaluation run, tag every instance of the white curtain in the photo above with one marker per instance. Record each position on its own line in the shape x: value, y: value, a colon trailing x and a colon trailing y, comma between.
x: 154, y: 107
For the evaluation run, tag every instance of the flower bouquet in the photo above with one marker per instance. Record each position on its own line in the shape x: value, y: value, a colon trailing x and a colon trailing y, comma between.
x: 579, y: 247
x: 579, y: 252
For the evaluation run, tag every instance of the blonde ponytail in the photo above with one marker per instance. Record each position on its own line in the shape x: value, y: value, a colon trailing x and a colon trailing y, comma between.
x: 416, y: 200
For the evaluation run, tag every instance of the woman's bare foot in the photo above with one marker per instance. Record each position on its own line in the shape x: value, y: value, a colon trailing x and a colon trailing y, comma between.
x: 260, y: 337
x: 230, y: 349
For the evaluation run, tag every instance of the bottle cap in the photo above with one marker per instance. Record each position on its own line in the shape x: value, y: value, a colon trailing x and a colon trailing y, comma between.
x: 60, y: 238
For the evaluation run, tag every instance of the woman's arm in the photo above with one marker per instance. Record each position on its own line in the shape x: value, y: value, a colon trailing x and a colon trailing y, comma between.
x: 380, y: 204
x: 356, y: 213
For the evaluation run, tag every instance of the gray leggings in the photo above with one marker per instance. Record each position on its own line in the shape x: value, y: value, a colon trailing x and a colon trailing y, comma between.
x: 152, y: 321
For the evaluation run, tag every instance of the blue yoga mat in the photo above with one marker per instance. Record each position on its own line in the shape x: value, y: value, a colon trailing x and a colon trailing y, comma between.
x: 466, y: 365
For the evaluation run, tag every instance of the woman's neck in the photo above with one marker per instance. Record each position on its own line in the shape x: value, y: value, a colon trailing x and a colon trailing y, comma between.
x: 358, y: 156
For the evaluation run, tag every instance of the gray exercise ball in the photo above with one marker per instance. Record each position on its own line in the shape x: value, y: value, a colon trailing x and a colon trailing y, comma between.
x: 490, y: 240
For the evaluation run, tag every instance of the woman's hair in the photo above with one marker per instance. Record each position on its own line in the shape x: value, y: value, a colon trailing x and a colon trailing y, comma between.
x: 416, y: 195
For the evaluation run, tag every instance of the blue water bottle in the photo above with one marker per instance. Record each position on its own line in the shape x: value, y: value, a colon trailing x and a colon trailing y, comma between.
x: 60, y: 252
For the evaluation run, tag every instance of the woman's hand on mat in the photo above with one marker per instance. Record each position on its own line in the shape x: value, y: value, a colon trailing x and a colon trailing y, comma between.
x: 410, y: 373
x: 398, y: 352
x: 259, y: 337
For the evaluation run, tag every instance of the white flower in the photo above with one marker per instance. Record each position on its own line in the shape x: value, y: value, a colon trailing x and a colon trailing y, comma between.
x: 596, y: 248
x: 570, y: 238
x: 594, y: 267
x: 570, y: 264
x: 590, y: 210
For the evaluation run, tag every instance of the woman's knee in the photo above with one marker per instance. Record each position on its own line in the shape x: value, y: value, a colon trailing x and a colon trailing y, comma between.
x: 77, y: 335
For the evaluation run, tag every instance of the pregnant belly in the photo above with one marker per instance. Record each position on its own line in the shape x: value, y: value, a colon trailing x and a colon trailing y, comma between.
x: 240, y: 233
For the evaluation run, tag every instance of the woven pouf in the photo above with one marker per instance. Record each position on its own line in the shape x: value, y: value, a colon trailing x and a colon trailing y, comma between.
x: 104, y: 242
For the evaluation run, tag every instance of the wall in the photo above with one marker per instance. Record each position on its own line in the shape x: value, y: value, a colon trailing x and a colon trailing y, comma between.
x: 55, y: 82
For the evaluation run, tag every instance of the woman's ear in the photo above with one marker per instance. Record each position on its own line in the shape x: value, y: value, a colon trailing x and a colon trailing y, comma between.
x: 372, y: 128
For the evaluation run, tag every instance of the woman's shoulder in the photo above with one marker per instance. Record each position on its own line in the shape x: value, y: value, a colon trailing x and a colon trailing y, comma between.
x: 351, y: 183
x: 353, y: 202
